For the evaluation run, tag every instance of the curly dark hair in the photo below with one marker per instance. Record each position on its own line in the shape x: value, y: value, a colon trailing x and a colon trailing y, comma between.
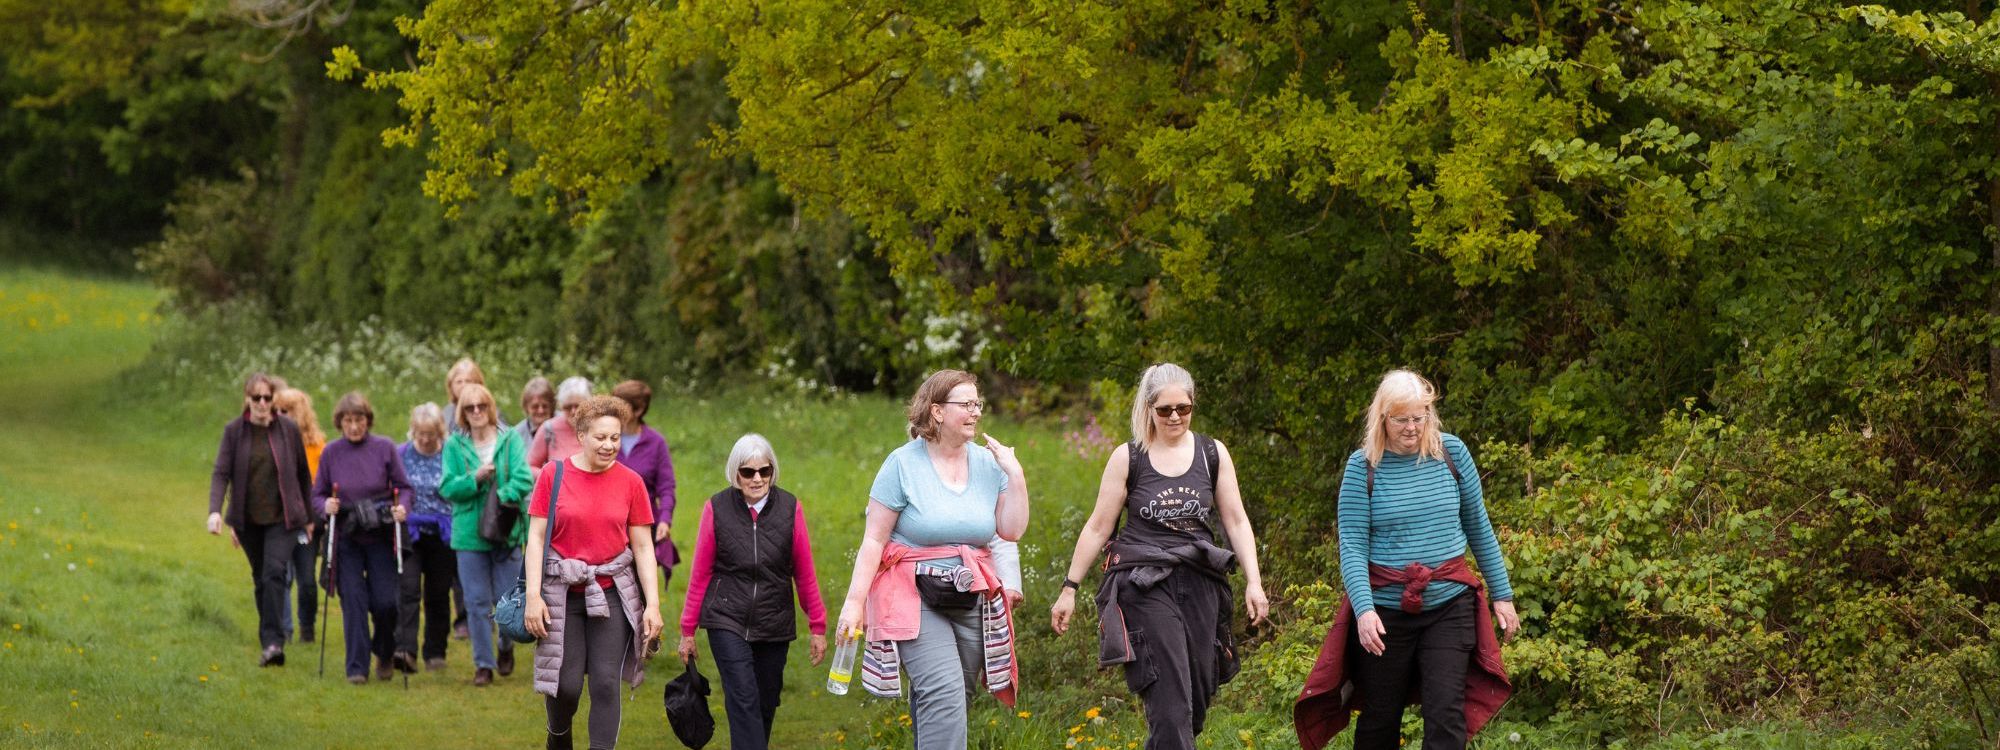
x: 598, y: 407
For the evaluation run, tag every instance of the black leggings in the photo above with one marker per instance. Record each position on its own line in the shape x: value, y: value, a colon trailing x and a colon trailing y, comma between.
x: 599, y: 647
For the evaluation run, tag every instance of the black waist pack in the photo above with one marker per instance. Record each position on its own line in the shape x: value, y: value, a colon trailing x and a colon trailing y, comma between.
x: 945, y: 589
x: 363, y: 516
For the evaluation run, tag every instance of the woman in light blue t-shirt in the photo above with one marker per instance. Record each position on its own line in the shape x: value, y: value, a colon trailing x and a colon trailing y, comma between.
x: 940, y: 490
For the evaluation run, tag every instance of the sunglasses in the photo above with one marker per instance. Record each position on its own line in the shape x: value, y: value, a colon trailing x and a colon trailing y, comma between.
x: 262, y: 398
x: 1167, y: 410
x: 762, y: 471
x: 474, y: 408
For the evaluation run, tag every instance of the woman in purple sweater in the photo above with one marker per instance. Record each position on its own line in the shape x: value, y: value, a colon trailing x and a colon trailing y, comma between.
x: 645, y: 452
x: 373, y: 494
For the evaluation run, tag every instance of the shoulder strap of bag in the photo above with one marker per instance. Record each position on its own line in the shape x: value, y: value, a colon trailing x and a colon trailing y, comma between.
x: 555, y: 491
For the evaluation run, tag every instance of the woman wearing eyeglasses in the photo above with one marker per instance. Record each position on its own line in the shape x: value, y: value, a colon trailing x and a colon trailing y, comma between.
x: 482, y: 459
x: 557, y: 439
x: 751, y: 551
x: 362, y: 488
x: 1164, y: 604
x: 935, y: 605
x: 261, y: 467
x: 1410, y: 506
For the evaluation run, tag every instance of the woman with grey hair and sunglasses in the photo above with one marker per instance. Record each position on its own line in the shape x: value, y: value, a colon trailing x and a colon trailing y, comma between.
x: 557, y: 439
x: 1164, y: 602
x: 751, y: 551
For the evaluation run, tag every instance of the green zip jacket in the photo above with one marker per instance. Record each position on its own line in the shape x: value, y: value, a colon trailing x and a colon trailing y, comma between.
x: 468, y: 497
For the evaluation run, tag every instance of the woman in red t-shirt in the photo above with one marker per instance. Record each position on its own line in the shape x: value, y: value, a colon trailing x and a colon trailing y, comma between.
x: 599, y: 609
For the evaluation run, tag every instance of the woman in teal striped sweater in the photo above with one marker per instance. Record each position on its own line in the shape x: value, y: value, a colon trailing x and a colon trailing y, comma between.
x: 1410, y: 507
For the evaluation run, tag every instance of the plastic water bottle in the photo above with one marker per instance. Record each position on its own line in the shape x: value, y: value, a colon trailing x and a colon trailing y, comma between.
x: 843, y: 664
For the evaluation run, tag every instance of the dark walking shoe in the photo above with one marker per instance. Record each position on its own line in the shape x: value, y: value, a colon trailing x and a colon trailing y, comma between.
x: 382, y: 669
x: 434, y: 664
x: 404, y: 662
x: 560, y: 741
x: 274, y: 656
x: 507, y: 662
x: 482, y: 678
x: 306, y: 636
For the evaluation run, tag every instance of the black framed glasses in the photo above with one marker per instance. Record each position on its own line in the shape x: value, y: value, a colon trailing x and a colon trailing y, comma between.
x: 747, y: 472
x: 1164, y: 411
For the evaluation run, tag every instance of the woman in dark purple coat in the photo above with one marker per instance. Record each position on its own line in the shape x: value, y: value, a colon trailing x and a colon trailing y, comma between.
x: 261, y: 467
x: 645, y: 452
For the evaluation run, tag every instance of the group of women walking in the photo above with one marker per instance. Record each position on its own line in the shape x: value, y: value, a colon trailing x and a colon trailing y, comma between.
x: 935, y: 588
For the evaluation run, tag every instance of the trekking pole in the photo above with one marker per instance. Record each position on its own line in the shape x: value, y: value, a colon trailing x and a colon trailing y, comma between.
x: 326, y: 589
x: 395, y: 497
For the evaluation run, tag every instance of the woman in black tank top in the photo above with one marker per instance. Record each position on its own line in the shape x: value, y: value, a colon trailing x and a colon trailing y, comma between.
x: 1164, y: 601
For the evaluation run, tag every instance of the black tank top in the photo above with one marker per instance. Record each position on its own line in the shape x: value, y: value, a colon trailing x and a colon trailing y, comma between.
x: 1166, y: 510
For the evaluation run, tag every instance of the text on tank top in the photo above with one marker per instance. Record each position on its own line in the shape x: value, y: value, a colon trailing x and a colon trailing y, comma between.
x: 1160, y: 508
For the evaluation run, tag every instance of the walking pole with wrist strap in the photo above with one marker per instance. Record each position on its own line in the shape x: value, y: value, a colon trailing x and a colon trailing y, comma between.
x: 326, y: 611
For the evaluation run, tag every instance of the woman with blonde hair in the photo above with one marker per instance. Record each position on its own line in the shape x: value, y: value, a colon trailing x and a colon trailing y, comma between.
x: 1164, y: 603
x: 294, y: 404
x: 1411, y: 505
x: 462, y: 373
x: 484, y: 463
x: 924, y: 581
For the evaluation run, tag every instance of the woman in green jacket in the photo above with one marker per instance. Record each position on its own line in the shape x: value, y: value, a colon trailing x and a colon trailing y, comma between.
x: 482, y: 459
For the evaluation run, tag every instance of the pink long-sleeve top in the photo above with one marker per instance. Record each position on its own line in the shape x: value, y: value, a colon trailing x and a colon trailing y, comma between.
x: 555, y: 442
x: 804, y: 577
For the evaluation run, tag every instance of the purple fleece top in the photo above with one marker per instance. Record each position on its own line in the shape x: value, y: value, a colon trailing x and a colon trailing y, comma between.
x: 654, y: 463
x: 366, y: 470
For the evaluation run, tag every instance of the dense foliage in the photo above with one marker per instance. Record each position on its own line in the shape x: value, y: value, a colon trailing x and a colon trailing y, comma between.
x: 1714, y: 288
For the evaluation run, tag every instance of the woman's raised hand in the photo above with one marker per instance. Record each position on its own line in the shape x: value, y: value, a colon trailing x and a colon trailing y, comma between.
x: 1003, y: 455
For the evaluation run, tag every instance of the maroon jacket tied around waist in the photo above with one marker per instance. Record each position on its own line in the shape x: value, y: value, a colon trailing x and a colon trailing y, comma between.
x: 1331, y: 696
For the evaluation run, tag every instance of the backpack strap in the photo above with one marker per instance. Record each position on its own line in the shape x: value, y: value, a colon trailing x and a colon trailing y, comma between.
x: 1448, y: 463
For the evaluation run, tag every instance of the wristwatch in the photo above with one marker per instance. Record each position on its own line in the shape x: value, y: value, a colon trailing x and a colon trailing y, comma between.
x: 1069, y: 584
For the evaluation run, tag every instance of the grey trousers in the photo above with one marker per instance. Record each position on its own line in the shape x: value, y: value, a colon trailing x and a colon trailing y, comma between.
x: 596, y: 647
x: 942, y: 665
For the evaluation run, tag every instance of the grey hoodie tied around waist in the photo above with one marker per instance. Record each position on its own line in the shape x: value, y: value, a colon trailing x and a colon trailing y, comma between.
x: 558, y: 575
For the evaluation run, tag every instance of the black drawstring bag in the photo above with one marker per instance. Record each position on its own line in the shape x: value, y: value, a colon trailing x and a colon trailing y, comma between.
x: 687, y: 708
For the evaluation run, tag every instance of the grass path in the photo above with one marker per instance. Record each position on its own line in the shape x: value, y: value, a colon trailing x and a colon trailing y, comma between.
x: 123, y: 624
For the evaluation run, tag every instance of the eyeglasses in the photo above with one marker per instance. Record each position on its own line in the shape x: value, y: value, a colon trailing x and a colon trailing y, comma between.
x: 475, y: 408
x: 973, y: 405
x: 764, y: 471
x: 1410, y: 421
x: 1164, y: 411
x: 262, y: 398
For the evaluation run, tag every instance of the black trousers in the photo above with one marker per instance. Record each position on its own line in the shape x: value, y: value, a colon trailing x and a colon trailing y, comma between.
x: 1433, y: 649
x: 269, y: 548
x: 430, y: 568
x: 1173, y: 630
x: 305, y: 576
x: 753, y: 679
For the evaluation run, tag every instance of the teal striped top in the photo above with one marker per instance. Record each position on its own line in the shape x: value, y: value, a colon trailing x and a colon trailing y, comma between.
x: 1419, y: 513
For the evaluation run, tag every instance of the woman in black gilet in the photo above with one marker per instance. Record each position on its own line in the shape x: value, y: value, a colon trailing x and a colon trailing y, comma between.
x: 1164, y: 603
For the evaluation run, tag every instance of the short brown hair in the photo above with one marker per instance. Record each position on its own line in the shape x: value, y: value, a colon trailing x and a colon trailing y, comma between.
x: 598, y: 407
x: 638, y: 394
x: 353, y: 403
x: 934, y: 391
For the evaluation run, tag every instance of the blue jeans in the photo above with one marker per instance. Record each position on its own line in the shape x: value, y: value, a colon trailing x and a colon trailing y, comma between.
x: 369, y: 590
x: 485, y: 576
